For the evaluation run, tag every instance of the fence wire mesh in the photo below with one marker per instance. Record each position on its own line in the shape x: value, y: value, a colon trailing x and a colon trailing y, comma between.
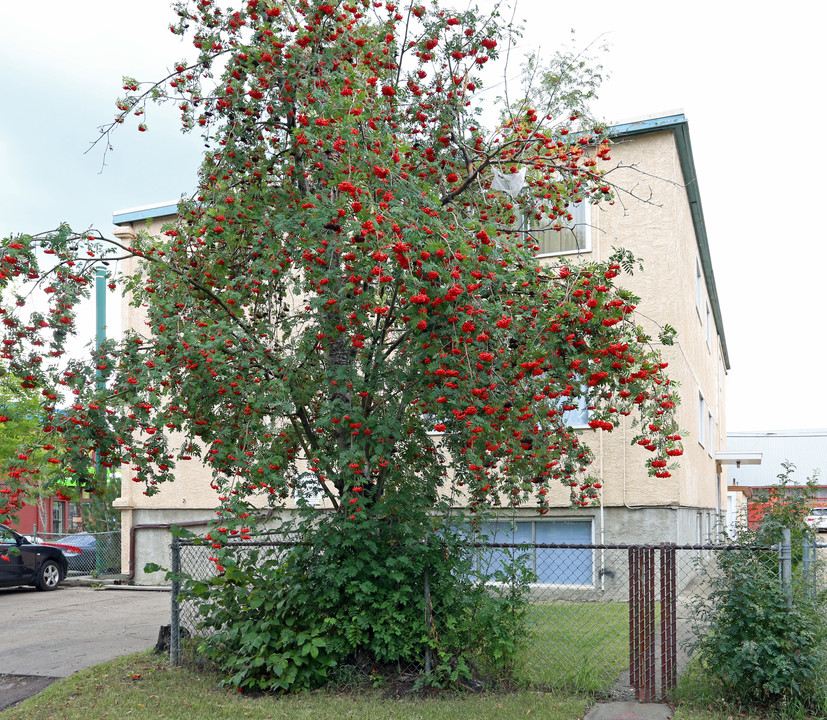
x: 96, y: 554
x: 607, y: 619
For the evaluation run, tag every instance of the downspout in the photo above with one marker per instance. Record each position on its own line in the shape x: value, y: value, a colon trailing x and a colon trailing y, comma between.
x: 602, y: 522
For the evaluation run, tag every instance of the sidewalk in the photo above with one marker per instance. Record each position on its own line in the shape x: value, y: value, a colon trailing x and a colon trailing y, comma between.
x: 629, y: 710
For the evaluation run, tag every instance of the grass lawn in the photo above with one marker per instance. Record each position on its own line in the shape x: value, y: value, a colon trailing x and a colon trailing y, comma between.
x: 578, y: 647
x: 142, y: 687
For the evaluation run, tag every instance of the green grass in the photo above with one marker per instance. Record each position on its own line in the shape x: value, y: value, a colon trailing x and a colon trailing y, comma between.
x: 577, y: 647
x: 142, y: 687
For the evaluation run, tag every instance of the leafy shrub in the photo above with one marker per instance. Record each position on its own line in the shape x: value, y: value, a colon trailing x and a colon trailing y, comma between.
x: 381, y: 599
x: 751, y: 641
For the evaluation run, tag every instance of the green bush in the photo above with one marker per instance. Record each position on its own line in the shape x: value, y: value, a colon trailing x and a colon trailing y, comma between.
x: 380, y: 599
x: 752, y: 643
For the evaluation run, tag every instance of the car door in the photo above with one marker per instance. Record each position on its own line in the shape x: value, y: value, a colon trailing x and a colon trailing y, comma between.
x: 16, y: 562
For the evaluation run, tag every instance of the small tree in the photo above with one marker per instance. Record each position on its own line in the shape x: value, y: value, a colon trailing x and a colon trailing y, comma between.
x: 355, y: 273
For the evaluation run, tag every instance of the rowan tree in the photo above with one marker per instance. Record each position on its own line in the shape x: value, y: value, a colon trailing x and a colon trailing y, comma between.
x: 352, y: 294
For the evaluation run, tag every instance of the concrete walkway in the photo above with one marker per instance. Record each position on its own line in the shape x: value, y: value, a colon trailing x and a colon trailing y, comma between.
x: 629, y: 710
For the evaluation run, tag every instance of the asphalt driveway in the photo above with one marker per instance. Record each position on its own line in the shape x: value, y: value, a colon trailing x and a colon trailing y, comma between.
x: 54, y: 634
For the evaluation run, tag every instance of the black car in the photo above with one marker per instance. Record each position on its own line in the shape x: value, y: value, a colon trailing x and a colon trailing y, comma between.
x: 27, y: 563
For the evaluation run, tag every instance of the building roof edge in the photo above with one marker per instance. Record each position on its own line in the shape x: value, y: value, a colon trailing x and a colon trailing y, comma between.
x: 678, y: 124
x: 145, y: 212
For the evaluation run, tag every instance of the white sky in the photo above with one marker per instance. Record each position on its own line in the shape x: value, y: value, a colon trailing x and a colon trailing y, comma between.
x: 749, y: 77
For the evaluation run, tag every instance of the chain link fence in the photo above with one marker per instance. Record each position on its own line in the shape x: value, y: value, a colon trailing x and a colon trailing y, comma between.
x: 614, y: 620
x: 96, y: 554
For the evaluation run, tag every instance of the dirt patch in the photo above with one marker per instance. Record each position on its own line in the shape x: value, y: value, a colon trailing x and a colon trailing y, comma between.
x: 16, y: 688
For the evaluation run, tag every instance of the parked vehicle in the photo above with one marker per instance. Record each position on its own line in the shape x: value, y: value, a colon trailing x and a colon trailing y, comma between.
x: 817, y: 519
x: 80, y: 550
x: 27, y: 563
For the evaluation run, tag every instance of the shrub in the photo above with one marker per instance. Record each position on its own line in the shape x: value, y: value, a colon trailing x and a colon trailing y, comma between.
x: 380, y: 600
x: 751, y: 641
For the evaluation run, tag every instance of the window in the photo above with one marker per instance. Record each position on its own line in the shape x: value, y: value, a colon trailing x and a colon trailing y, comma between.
x: 6, y: 537
x: 430, y: 421
x: 307, y: 490
x: 561, y: 236
x: 711, y: 433
x: 708, y: 326
x: 579, y: 416
x: 574, y: 410
x: 58, y: 513
x: 699, y: 286
x: 701, y: 420
x: 563, y: 566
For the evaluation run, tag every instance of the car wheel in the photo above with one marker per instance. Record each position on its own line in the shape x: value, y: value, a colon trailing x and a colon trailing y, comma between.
x: 49, y: 576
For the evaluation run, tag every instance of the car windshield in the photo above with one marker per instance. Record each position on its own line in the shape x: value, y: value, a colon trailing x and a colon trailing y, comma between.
x: 7, y: 536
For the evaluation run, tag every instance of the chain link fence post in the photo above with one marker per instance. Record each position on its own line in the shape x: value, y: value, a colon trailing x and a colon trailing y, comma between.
x: 808, y: 567
x: 175, y: 609
x: 785, y: 556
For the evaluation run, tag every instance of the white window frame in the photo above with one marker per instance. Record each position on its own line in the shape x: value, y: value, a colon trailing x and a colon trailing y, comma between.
x: 699, y: 288
x: 582, y: 216
x: 701, y: 419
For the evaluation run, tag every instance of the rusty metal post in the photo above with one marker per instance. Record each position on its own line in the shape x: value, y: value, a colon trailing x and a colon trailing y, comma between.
x: 648, y: 689
x: 668, y: 618
x: 634, y: 619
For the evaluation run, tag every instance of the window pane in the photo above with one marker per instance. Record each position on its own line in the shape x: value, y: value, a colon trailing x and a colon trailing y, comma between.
x: 564, y: 566
x: 497, y: 559
x: 307, y: 490
x: 561, y: 235
x: 578, y: 417
x: 57, y: 517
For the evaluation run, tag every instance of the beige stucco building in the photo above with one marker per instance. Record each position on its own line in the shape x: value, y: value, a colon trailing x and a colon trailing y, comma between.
x: 662, y: 224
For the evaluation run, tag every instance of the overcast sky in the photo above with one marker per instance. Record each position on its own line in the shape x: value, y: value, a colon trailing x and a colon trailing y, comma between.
x: 749, y: 78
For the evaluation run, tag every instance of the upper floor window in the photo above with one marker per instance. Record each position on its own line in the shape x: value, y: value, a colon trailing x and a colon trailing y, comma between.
x: 708, y: 326
x: 699, y: 287
x: 711, y: 425
x: 564, y: 235
x: 573, y: 409
x: 575, y: 413
x: 701, y: 420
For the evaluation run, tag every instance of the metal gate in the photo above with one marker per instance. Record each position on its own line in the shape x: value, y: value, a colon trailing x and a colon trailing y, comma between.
x: 652, y: 640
